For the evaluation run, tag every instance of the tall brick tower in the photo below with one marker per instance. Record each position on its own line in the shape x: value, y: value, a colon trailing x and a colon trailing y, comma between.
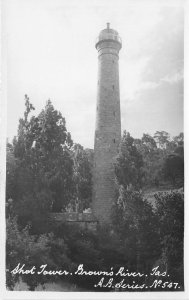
x: 108, y: 123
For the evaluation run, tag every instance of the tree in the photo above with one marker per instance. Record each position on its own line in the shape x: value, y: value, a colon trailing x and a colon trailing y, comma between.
x: 180, y: 151
x: 44, y: 178
x: 174, y: 167
x: 136, y: 224
x: 82, y: 177
x: 11, y: 170
x: 170, y: 213
x: 53, y: 152
x: 129, y: 164
x: 148, y: 141
x: 21, y: 142
x: 162, y: 138
x: 152, y: 159
x: 179, y: 139
x: 23, y: 248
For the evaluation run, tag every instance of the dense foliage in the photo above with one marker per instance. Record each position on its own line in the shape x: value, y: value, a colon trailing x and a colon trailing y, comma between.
x: 150, y: 161
x: 129, y: 163
x: 170, y: 213
x: 47, y: 172
x: 82, y: 177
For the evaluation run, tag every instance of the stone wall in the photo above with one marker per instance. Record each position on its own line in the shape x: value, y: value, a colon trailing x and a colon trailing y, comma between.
x: 84, y: 220
x: 108, y: 129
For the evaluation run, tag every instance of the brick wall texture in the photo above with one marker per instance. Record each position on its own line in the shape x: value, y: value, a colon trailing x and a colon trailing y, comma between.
x: 108, y: 128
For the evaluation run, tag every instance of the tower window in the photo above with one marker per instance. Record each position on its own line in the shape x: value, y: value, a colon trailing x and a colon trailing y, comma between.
x: 97, y: 108
x: 114, y: 113
x: 113, y: 61
x: 114, y: 141
x: 113, y: 86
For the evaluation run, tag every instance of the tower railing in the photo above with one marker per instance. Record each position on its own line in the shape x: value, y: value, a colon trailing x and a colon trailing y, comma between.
x: 109, y: 36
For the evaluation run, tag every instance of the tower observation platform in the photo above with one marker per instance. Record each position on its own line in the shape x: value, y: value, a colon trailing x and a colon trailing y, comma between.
x: 108, y: 34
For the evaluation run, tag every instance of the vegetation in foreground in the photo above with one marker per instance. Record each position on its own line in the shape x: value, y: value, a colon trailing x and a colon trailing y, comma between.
x: 47, y: 172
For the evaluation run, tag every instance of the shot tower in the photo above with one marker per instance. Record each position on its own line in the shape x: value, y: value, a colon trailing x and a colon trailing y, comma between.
x: 108, y: 123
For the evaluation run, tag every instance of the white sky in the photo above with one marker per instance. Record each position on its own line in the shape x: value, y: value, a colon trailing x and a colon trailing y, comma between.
x: 51, y: 53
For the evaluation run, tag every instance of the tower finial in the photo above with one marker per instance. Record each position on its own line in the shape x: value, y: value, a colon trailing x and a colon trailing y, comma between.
x: 108, y: 25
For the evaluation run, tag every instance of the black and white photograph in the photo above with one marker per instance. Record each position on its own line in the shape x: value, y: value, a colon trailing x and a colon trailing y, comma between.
x: 93, y: 145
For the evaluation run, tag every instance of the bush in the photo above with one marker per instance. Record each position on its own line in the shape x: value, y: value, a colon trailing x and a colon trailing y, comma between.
x: 170, y: 213
x: 23, y: 248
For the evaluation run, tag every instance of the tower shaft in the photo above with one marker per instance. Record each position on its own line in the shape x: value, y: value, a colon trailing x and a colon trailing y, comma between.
x: 108, y: 123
